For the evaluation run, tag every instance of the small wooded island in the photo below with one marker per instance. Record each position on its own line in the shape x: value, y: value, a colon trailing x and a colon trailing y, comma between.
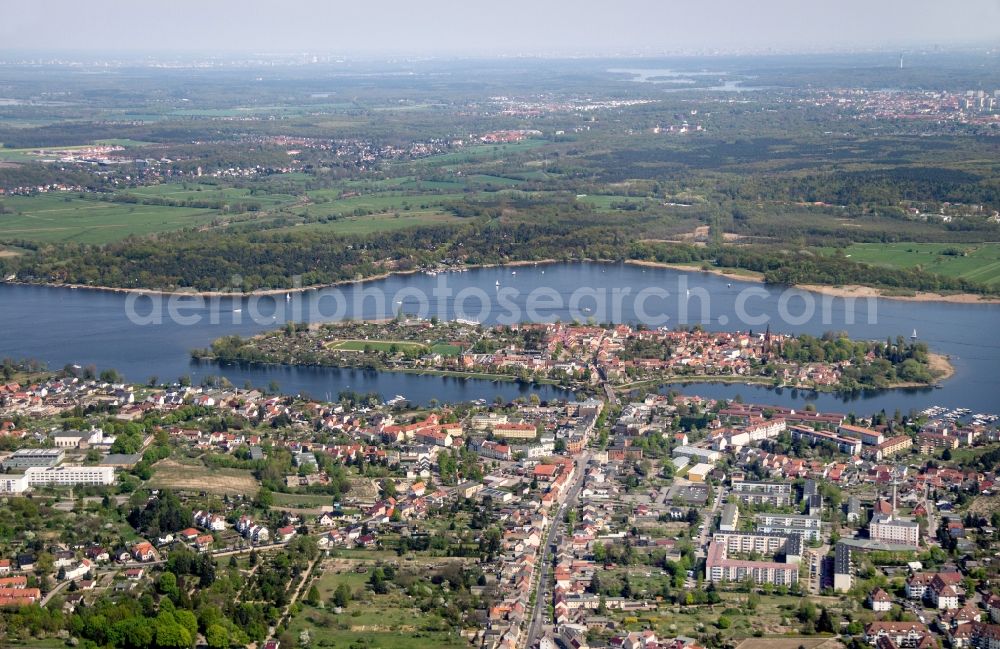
x: 591, y: 358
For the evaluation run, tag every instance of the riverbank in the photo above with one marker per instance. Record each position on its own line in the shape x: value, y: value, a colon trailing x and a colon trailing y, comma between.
x: 186, y: 291
x: 856, y: 291
x: 415, y: 371
x: 740, y: 275
x: 478, y: 376
x: 846, y: 291
x: 729, y: 273
x: 937, y: 363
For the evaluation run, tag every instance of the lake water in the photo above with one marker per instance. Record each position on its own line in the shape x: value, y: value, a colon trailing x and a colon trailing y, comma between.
x: 666, y: 76
x: 137, y: 336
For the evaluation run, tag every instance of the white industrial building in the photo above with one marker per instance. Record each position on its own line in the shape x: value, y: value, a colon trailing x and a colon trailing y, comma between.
x: 58, y: 476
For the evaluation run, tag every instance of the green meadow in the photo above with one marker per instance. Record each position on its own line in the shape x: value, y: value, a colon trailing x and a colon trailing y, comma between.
x: 979, y: 262
x: 63, y: 217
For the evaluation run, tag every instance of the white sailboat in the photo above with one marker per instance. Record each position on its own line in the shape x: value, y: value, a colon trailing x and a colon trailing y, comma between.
x: 913, y: 336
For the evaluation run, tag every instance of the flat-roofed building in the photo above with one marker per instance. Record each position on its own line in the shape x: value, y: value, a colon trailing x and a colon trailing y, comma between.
x: 730, y: 518
x: 34, y: 457
x: 778, y: 494
x: 719, y: 567
x: 809, y: 528
x: 13, y: 484
x: 699, y: 472
x: 843, y: 577
x: 70, y: 476
x: 698, y: 454
x: 844, y: 443
x: 890, y: 529
x: 760, y: 543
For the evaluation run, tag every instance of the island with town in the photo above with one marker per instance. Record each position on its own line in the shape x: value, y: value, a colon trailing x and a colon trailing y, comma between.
x: 592, y: 358
x: 174, y: 515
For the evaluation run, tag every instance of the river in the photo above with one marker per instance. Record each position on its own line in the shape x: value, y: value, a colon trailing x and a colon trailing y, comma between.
x: 137, y: 335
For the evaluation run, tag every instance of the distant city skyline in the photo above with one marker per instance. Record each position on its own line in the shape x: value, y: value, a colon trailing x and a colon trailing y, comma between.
x: 516, y: 27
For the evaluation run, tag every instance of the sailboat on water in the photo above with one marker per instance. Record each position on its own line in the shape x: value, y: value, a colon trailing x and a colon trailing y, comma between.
x: 913, y: 336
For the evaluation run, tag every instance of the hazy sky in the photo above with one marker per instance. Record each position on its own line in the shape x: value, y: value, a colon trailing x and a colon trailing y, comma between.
x: 374, y: 27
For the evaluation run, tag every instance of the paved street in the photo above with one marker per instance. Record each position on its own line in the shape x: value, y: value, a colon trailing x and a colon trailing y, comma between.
x: 542, y: 594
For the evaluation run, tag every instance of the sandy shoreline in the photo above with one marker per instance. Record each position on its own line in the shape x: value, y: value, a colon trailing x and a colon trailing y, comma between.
x: 845, y: 291
x: 941, y: 365
x: 751, y: 276
x: 853, y: 290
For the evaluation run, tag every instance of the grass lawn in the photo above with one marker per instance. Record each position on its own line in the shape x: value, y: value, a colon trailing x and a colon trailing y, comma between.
x: 57, y: 218
x: 978, y: 263
x: 446, y: 350
x: 375, y: 345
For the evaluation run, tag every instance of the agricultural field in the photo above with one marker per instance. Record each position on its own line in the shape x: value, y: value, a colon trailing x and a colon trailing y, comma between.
x: 63, y: 218
x: 170, y: 474
x: 978, y: 262
x: 210, y: 192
